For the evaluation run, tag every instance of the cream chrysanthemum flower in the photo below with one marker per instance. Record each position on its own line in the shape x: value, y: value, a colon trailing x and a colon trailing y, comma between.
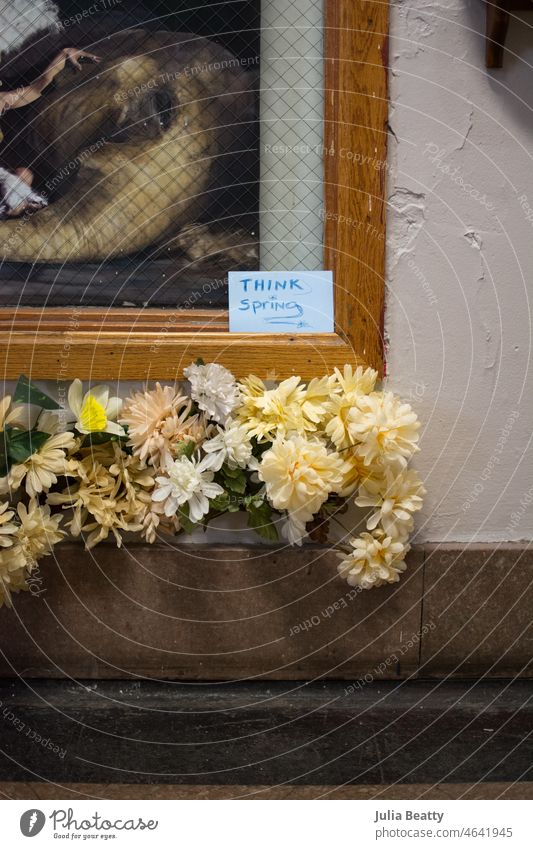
x: 111, y: 495
x: 395, y: 497
x: 349, y: 386
x: 96, y: 411
x: 383, y: 428
x: 231, y: 445
x: 38, y: 531
x: 7, y: 527
x: 158, y: 420
x: 214, y: 389
x: 42, y: 468
x: 361, y: 380
x: 34, y: 537
x: 316, y: 402
x: 13, y: 574
x: 375, y: 559
x: 187, y: 482
x: 356, y: 472
x: 299, y: 475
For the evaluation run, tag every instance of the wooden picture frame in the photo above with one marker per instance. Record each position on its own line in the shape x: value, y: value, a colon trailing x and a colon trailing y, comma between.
x: 112, y: 343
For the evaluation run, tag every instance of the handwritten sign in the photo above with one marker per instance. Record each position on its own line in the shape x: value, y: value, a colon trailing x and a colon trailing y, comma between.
x: 280, y: 301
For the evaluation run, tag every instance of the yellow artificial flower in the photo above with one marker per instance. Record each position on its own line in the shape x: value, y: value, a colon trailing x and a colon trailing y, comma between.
x: 360, y: 381
x: 7, y: 528
x: 395, y: 496
x: 316, y: 403
x: 356, y: 472
x: 375, y: 559
x: 42, y: 468
x: 112, y: 494
x: 38, y: 531
x: 13, y: 574
x: 289, y: 408
x: 299, y: 475
x: 95, y: 411
x: 383, y: 428
x: 348, y: 386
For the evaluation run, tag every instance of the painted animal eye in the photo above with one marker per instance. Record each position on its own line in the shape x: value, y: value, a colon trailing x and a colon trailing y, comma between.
x: 163, y: 104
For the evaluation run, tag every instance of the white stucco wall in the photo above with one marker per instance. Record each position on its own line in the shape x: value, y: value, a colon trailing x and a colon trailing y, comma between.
x: 460, y: 264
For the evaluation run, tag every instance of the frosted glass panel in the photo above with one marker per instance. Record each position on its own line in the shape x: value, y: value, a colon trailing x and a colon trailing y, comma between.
x: 291, y: 112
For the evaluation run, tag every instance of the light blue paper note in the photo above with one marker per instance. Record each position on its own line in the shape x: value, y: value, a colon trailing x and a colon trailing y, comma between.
x: 280, y: 301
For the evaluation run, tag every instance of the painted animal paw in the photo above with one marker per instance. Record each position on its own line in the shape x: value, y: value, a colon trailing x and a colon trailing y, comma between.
x: 17, y: 196
x: 206, y: 246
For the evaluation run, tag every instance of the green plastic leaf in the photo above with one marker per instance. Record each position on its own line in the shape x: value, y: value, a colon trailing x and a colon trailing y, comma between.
x: 185, y: 448
x: 27, y: 393
x: 99, y: 437
x: 234, y: 480
x: 185, y: 522
x: 21, y: 444
x: 260, y: 519
x: 220, y: 504
x: 4, y: 461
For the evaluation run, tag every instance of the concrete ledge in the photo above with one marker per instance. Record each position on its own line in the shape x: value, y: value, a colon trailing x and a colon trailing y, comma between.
x: 209, y: 613
x: 228, y: 613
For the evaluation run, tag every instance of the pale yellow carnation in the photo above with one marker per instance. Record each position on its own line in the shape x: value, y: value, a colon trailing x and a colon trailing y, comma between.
x: 356, y: 472
x: 375, y: 559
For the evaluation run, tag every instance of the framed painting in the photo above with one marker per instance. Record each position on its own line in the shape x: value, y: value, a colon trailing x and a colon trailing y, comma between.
x: 149, y: 148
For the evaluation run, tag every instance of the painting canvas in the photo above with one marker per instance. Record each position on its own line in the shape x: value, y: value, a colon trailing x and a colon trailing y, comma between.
x: 129, y: 152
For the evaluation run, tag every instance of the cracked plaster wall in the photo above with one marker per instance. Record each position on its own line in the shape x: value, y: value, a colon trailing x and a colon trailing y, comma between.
x: 460, y: 265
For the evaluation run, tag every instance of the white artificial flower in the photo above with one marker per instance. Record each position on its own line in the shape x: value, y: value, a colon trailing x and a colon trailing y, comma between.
x: 54, y: 421
x: 214, y: 389
x: 375, y: 559
x: 95, y: 411
x: 187, y: 482
x: 293, y: 529
x: 231, y: 445
x: 395, y: 496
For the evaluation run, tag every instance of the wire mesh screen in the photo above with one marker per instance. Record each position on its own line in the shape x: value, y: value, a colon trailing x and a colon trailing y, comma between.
x: 150, y: 147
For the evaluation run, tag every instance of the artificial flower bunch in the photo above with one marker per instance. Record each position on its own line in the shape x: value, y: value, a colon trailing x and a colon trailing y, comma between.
x: 291, y: 456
